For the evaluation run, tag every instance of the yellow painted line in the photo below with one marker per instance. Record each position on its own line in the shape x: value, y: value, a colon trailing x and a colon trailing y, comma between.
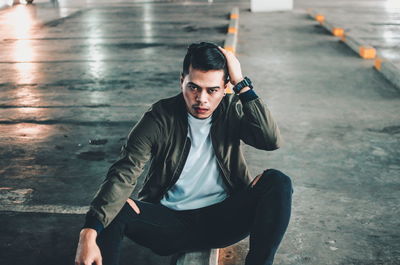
x: 378, y: 64
x: 231, y: 38
x: 367, y: 52
x: 230, y: 48
x: 229, y: 90
x: 338, y: 32
x: 234, y: 16
x: 232, y: 30
x: 320, y: 18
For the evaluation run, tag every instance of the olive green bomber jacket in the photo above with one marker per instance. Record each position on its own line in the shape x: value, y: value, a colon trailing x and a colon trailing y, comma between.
x: 161, y: 137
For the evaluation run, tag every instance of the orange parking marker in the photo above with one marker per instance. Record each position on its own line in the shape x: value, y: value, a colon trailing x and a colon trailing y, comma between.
x: 389, y: 70
x: 232, y: 35
x: 320, y: 18
x: 229, y: 90
x: 378, y: 64
x: 367, y: 52
x: 230, y: 48
x: 232, y: 30
x: 338, y: 32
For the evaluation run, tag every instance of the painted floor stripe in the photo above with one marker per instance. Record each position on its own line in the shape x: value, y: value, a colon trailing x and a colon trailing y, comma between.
x: 45, y: 208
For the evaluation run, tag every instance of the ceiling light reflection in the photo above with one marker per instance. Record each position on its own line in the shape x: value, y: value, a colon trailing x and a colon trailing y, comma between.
x: 392, y: 4
x: 96, y: 54
x: 148, y: 30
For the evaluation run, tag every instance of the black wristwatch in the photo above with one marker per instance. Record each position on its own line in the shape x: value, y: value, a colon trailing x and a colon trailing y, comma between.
x: 244, y: 83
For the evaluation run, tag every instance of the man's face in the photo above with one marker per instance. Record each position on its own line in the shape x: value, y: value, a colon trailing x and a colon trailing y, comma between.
x: 203, y: 91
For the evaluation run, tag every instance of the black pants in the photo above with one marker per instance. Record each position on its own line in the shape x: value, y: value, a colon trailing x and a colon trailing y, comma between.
x: 262, y: 211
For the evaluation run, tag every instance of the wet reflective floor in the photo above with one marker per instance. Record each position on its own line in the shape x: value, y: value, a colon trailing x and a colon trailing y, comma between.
x: 91, y: 74
x: 76, y: 76
x: 74, y: 79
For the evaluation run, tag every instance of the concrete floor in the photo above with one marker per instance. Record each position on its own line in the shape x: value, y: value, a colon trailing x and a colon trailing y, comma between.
x: 90, y: 76
x: 341, y: 125
x: 375, y: 23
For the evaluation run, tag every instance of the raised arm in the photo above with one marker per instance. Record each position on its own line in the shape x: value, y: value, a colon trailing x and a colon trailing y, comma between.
x: 257, y: 126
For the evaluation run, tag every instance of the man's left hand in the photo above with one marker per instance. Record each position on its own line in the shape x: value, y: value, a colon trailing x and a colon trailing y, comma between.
x: 234, y: 69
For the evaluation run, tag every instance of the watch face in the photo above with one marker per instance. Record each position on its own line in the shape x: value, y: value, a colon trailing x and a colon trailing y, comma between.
x: 248, y: 82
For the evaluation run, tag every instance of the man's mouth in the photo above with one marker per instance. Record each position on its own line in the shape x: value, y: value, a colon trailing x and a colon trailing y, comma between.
x: 200, y: 110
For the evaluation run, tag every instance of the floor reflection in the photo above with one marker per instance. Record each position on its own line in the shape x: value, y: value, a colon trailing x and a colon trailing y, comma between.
x: 20, y: 22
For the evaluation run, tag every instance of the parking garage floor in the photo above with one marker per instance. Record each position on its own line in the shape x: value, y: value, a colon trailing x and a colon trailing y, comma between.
x: 76, y: 76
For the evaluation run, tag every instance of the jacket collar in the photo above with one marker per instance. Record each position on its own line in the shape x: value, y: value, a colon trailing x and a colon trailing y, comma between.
x: 181, y: 110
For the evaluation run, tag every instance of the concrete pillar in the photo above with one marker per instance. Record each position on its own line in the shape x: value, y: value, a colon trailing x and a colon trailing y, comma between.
x: 203, y: 257
x: 270, y: 5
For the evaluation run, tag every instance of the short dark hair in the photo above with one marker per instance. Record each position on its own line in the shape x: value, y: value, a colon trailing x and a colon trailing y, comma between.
x: 205, y: 56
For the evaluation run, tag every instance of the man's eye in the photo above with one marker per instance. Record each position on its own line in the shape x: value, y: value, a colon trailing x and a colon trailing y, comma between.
x: 213, y: 90
x: 191, y: 87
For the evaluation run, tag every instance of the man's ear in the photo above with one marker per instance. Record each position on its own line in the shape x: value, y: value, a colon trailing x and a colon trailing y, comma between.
x: 225, y: 88
x: 181, y: 81
x: 226, y: 84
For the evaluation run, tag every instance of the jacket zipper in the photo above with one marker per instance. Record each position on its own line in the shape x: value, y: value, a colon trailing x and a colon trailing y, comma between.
x: 224, y: 174
x: 175, y: 175
x: 179, y: 167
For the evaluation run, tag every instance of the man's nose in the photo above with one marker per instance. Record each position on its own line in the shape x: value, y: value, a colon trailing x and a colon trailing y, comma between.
x: 201, y: 96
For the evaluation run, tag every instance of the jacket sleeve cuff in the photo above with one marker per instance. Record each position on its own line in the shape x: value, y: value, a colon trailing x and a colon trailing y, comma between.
x: 248, y: 96
x: 92, y: 222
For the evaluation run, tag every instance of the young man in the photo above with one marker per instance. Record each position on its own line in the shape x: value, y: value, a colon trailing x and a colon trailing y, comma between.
x: 198, y: 193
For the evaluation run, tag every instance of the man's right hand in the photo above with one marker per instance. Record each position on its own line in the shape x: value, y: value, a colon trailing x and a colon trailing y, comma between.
x: 88, y: 252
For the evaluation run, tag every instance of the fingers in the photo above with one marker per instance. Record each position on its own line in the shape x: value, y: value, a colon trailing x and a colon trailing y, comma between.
x: 87, y: 253
x: 133, y: 205
x: 234, y: 68
x: 98, y: 261
x: 88, y: 261
x: 226, y: 52
x: 222, y: 49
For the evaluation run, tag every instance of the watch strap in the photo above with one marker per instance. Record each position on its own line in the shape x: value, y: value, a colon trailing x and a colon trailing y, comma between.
x: 244, y: 83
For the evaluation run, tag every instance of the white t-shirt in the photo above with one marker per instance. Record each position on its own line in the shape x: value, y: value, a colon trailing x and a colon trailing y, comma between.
x: 200, y: 183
